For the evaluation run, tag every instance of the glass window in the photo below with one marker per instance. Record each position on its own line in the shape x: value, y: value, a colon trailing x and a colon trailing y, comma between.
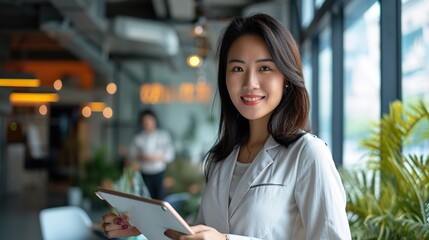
x: 415, y: 58
x: 361, y: 76
x: 325, y: 87
x: 307, y: 69
x: 319, y: 3
x: 307, y: 12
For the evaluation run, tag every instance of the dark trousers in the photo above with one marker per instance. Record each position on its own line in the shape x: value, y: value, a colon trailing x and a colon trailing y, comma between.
x: 154, y: 183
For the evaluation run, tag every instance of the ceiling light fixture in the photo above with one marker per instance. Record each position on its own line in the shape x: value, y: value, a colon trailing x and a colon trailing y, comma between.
x: 9, y: 82
x: 97, y: 106
x: 18, y: 80
x: 58, y: 84
x: 108, y: 112
x: 194, y: 61
x: 111, y: 88
x: 86, y: 111
x: 33, y: 97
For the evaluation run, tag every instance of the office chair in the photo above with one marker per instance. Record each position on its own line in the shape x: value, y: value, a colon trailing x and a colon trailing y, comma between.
x: 66, y: 223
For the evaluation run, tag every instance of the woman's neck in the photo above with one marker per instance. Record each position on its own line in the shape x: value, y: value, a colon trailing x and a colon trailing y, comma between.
x: 258, y: 134
x: 258, y: 131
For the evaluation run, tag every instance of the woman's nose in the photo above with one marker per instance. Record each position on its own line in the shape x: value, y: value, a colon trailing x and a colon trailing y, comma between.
x: 251, y: 80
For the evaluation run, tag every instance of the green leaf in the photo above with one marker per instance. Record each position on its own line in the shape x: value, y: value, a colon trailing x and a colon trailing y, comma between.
x: 390, y: 198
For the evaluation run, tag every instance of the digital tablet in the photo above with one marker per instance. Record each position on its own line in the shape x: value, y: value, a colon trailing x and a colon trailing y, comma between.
x: 150, y: 216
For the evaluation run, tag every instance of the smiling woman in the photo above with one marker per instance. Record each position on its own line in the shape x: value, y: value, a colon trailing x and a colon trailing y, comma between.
x: 266, y: 176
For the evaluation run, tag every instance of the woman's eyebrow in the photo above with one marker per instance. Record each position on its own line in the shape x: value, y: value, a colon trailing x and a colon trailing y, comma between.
x: 259, y: 60
x: 265, y: 60
x: 235, y: 60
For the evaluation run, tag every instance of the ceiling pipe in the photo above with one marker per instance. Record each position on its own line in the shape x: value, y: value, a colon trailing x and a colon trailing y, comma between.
x: 145, y: 37
x: 88, y: 17
x: 121, y: 36
x: 76, y: 44
x: 83, y: 32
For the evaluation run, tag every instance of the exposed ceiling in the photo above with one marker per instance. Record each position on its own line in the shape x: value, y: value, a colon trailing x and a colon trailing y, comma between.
x: 100, y: 33
x: 51, y: 29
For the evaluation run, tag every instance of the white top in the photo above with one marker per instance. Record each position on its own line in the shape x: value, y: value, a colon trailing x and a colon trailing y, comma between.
x: 286, y: 193
x: 157, y: 142
x: 239, y: 170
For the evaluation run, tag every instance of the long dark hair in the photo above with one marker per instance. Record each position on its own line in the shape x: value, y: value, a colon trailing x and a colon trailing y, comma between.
x: 290, y: 117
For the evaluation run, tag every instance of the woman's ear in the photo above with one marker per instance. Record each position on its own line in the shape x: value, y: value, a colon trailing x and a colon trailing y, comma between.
x: 286, y: 84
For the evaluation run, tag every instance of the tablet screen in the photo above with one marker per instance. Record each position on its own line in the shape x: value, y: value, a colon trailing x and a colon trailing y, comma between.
x: 150, y: 216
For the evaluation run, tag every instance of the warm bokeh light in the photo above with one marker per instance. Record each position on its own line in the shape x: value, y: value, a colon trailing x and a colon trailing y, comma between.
x: 111, y: 88
x: 14, y: 82
x: 58, y: 84
x: 203, y: 92
x: 169, y: 182
x: 151, y: 93
x: 43, y: 110
x: 156, y: 93
x: 97, y: 106
x: 86, y: 111
x: 198, y: 30
x: 33, y: 98
x: 186, y: 92
x: 108, y: 112
x: 194, y: 61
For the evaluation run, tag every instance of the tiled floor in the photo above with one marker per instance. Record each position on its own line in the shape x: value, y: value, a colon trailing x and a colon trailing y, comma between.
x: 19, y: 213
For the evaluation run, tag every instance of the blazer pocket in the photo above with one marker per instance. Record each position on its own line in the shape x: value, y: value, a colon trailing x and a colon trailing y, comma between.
x: 267, y: 184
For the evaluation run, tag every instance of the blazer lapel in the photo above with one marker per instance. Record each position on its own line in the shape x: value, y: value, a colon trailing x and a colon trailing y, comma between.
x: 261, y: 162
x: 224, y: 180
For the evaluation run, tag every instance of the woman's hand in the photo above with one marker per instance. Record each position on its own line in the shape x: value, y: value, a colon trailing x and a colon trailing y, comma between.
x: 202, y: 232
x: 118, y: 227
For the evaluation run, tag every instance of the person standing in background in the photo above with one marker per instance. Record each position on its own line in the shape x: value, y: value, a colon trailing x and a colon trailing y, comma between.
x: 150, y: 152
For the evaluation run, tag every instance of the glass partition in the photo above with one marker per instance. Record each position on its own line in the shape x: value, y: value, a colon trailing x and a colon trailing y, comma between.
x: 415, y: 59
x: 325, y: 87
x: 307, y: 70
x: 361, y: 76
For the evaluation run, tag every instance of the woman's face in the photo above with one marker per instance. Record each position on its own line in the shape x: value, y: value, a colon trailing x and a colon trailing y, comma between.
x: 254, y: 83
x: 149, y: 123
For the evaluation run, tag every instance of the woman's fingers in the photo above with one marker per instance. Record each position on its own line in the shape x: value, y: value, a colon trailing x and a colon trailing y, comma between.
x: 109, y: 217
x: 200, y: 228
x: 172, y: 234
x: 202, y: 232
x: 130, y: 231
x: 116, y: 227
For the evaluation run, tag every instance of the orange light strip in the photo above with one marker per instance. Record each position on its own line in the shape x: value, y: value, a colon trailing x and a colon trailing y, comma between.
x: 97, y: 106
x: 33, y: 97
x: 19, y: 82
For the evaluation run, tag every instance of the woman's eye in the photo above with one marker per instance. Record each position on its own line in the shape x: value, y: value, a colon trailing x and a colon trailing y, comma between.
x: 264, y: 68
x: 237, y: 69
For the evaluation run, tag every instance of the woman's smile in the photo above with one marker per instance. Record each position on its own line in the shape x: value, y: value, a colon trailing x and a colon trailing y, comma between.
x: 251, y: 99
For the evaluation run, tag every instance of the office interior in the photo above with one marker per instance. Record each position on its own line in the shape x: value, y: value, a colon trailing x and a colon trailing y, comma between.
x: 99, y: 62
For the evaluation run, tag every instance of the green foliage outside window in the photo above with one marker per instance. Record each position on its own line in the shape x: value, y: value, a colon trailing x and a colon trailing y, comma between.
x: 390, y: 198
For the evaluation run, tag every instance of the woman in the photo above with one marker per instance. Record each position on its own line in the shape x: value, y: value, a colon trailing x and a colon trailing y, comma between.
x: 150, y: 152
x: 267, y: 178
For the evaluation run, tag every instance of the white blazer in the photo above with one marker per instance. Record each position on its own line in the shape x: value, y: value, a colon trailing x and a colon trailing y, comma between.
x: 286, y: 193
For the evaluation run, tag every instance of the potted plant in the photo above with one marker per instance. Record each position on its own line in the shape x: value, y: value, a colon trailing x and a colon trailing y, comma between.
x: 185, y: 178
x: 98, y: 171
x: 390, y: 198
